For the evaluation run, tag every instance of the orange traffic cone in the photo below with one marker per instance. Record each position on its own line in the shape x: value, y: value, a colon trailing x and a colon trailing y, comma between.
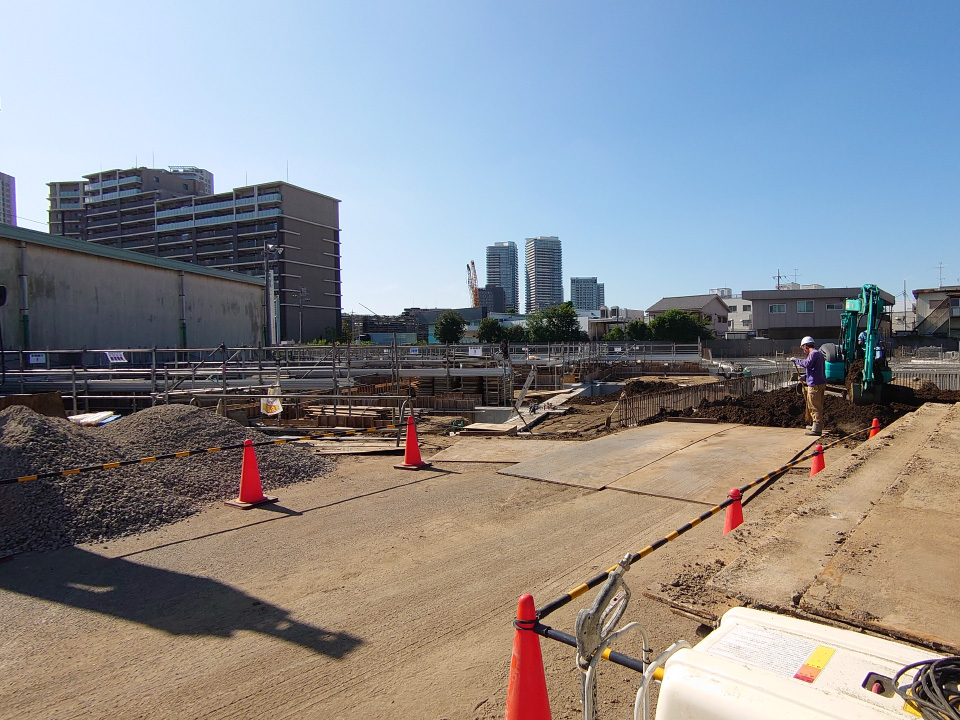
x: 875, y: 427
x: 251, y: 492
x: 817, y: 464
x: 527, y: 691
x: 411, y: 453
x: 734, y: 516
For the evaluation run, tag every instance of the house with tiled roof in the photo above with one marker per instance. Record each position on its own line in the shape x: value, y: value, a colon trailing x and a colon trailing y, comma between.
x: 710, y: 306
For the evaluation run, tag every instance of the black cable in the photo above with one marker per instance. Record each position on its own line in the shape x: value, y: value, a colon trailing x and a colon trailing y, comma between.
x: 935, y: 690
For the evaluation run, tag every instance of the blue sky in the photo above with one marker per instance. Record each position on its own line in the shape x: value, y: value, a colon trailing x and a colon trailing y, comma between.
x: 672, y: 146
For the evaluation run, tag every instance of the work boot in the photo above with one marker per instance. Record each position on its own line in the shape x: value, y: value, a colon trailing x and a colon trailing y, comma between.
x: 816, y: 429
x: 809, y: 427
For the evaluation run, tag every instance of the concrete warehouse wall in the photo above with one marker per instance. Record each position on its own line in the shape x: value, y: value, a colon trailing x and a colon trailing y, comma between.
x: 82, y: 295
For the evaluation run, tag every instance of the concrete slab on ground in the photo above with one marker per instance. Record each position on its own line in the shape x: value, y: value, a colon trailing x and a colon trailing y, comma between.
x: 496, y: 450
x: 907, y: 534
x: 497, y: 429
x: 706, y: 470
x: 353, y: 446
x: 598, y: 463
x: 858, y: 550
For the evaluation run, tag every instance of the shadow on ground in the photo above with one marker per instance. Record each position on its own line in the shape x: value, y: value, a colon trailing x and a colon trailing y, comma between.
x: 173, y: 602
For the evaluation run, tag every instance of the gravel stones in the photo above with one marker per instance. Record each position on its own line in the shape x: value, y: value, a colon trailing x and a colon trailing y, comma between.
x: 96, y: 506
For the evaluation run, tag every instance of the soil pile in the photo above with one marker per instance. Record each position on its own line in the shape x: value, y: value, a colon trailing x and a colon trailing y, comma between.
x: 631, y: 388
x: 96, y: 506
x: 928, y: 392
x: 786, y: 408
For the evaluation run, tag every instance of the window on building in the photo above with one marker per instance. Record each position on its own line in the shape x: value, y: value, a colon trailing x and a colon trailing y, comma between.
x: 778, y: 308
x: 156, y: 179
x: 721, y: 318
x: 746, y: 308
x: 733, y: 308
x: 834, y: 307
x: 185, y: 186
x: 745, y: 323
x: 804, y: 306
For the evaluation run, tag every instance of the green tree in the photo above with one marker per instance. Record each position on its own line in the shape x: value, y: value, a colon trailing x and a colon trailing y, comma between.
x: 450, y: 327
x: 557, y: 323
x: 346, y: 331
x: 516, y: 333
x: 680, y: 326
x: 563, y: 323
x: 537, y: 331
x: 614, y: 334
x: 489, y: 331
x: 637, y: 329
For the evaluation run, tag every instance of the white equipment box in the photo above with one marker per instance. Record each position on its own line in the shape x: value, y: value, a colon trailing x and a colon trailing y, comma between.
x: 763, y: 665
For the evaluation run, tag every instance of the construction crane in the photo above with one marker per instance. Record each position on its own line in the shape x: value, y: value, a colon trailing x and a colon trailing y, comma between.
x: 472, y: 285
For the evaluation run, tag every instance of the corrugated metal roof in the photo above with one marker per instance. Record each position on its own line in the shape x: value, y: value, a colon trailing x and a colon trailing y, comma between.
x: 18, y: 234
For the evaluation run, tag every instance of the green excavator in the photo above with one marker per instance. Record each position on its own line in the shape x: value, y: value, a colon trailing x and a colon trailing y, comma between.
x: 858, y: 360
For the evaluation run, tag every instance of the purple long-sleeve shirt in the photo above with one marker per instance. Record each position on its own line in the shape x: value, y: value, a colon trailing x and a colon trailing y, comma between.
x: 814, y: 365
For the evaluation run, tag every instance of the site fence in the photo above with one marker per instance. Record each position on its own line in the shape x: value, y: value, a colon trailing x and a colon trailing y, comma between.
x: 916, y: 379
x: 634, y: 410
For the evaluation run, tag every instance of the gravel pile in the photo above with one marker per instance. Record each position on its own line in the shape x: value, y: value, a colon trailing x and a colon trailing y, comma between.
x: 97, y: 506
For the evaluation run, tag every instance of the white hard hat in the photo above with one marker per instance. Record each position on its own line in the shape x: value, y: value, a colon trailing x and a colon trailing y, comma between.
x: 808, y: 341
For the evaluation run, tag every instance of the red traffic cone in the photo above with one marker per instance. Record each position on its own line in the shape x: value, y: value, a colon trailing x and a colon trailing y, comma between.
x: 875, y: 427
x: 734, y: 516
x: 527, y: 691
x: 411, y: 453
x: 817, y: 464
x: 251, y: 492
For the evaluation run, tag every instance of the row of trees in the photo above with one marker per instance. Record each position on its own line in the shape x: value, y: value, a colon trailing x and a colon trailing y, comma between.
x: 560, y: 324
x: 673, y: 326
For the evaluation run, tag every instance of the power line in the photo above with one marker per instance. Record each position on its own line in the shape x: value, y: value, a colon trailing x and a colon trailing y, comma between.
x: 37, y: 222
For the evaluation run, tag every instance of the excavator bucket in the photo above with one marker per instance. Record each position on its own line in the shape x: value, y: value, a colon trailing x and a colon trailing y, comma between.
x: 861, y: 395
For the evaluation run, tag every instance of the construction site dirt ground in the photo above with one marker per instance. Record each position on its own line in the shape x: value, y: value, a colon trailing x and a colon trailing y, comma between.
x: 377, y: 592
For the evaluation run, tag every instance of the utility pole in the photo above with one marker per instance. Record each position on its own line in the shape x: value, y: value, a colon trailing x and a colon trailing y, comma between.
x: 301, y: 297
x: 777, y: 278
x: 940, y: 269
x: 904, y: 305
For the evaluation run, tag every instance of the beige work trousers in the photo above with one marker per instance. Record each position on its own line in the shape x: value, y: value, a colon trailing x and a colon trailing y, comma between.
x: 813, y: 394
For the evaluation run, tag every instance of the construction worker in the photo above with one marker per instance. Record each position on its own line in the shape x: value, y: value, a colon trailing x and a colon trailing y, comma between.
x: 815, y: 384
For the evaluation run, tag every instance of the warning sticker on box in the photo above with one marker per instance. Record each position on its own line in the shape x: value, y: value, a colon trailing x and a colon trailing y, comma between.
x: 776, y: 652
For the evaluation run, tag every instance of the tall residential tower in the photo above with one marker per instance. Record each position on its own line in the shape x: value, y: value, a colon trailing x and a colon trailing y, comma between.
x: 503, y: 270
x: 586, y: 293
x: 544, y: 273
x: 8, y: 199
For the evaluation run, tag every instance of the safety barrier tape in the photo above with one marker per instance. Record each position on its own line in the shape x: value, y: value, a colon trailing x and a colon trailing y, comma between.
x: 600, y: 578
x: 170, y: 456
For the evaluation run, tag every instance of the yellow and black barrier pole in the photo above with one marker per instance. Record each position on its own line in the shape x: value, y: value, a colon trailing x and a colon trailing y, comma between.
x: 593, y: 582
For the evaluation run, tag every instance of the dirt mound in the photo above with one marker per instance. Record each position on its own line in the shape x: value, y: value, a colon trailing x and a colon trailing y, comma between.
x: 96, y: 506
x: 928, y: 392
x: 631, y: 388
x: 645, y: 387
x: 786, y: 408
